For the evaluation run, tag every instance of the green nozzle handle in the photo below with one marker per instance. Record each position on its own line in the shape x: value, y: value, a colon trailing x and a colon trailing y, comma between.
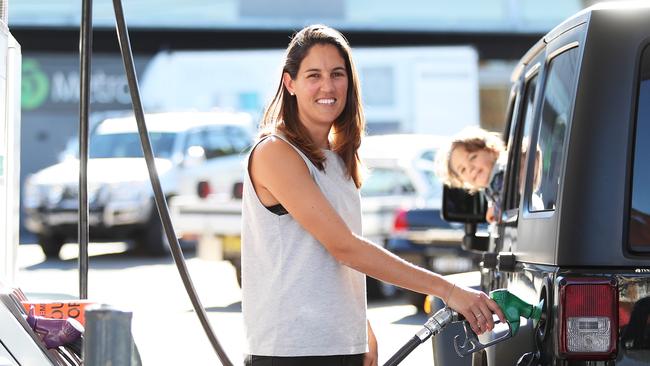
x: 514, y: 308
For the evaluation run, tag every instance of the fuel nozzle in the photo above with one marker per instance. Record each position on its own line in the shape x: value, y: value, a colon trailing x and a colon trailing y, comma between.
x: 513, y: 308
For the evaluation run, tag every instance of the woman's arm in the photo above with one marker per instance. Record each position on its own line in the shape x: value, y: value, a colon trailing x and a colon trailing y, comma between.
x: 280, y: 176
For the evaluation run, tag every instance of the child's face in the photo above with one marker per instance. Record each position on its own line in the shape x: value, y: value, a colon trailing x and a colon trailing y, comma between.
x: 473, y: 168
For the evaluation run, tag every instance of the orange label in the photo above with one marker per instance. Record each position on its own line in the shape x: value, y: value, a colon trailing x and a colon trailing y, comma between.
x: 59, y: 309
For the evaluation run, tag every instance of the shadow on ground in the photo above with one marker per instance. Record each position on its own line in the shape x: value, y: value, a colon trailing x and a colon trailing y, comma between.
x: 235, y: 307
x: 117, y: 260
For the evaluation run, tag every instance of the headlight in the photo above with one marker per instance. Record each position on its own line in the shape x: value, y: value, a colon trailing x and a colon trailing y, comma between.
x: 128, y: 191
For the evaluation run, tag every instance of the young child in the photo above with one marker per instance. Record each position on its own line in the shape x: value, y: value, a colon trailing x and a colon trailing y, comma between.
x: 475, y: 160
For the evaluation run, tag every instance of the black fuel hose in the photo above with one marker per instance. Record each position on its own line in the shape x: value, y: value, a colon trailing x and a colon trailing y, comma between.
x: 404, y: 351
x: 430, y: 328
x: 161, y: 202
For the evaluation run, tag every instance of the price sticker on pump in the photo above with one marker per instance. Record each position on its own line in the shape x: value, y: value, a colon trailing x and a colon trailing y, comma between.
x: 59, y: 309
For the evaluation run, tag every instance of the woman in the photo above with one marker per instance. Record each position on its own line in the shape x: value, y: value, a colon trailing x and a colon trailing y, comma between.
x: 302, y: 254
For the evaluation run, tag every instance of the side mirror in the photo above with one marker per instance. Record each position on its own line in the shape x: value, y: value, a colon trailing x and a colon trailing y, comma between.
x: 460, y: 206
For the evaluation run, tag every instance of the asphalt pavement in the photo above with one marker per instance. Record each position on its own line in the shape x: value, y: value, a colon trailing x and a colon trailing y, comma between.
x: 165, y: 328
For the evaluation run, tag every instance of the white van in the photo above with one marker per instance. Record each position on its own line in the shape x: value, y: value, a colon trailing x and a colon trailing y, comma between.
x: 190, y: 147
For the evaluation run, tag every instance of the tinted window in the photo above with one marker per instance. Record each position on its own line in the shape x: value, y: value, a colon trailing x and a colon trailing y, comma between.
x: 240, y: 139
x: 386, y: 182
x: 522, y: 146
x: 127, y: 145
x: 217, y: 143
x: 556, y: 111
x: 639, y: 225
x: 220, y: 140
x: 434, y: 184
x: 429, y: 155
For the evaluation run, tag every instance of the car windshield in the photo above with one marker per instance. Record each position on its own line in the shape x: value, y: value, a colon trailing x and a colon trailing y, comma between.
x: 127, y: 145
x: 386, y: 182
x: 395, y: 181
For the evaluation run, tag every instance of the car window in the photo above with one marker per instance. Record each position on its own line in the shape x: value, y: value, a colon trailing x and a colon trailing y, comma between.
x: 127, y: 145
x: 386, y: 182
x: 216, y: 143
x: 240, y: 139
x: 219, y: 141
x: 556, y: 110
x: 522, y: 145
x: 639, y: 222
x: 435, y: 185
x: 429, y: 155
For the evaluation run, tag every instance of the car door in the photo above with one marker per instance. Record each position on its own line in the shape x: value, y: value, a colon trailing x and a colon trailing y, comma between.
x: 505, y: 234
x: 527, y: 241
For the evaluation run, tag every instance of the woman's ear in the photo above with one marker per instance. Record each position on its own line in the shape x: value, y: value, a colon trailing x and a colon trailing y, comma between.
x: 287, y: 81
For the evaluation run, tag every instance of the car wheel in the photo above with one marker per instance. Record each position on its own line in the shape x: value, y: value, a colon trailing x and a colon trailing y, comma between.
x: 51, y: 245
x: 152, y: 240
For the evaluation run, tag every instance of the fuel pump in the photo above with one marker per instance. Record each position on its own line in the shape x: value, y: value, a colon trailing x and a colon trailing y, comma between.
x: 513, y: 308
x: 10, y: 68
x: 19, y: 344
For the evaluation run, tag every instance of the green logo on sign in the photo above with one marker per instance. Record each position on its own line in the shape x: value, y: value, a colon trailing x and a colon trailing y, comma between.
x: 35, y: 85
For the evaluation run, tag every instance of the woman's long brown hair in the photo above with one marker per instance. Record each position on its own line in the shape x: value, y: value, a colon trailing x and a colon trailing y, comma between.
x: 282, y: 113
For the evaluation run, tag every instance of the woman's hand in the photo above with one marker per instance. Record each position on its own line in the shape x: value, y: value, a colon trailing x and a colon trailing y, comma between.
x: 371, y: 357
x: 475, y: 306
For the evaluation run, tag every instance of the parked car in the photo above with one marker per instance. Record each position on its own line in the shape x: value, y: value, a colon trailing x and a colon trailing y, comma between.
x: 398, y: 195
x: 400, y: 176
x: 189, y: 147
x: 575, y: 231
x: 422, y: 237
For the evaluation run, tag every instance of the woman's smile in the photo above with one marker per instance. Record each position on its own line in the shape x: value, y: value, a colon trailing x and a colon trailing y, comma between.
x: 320, y: 86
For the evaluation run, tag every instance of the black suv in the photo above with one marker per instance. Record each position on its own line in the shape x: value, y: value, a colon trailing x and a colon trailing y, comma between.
x: 575, y: 229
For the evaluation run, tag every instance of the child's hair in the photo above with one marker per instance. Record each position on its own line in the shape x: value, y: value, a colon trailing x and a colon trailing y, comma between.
x: 471, y: 139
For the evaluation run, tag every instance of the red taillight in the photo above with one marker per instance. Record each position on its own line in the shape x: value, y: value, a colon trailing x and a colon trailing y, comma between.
x: 203, y: 189
x: 400, y: 223
x: 238, y: 190
x: 589, y: 318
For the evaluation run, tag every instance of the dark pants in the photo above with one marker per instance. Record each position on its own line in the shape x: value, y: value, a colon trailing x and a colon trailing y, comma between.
x: 344, y: 360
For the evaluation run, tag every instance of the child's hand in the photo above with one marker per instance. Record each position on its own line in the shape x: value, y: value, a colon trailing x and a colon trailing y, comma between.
x: 489, y: 215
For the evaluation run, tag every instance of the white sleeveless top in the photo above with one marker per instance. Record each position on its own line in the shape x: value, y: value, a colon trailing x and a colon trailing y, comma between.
x: 297, y: 300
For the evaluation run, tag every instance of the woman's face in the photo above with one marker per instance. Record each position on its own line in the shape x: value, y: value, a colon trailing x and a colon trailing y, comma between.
x: 321, y: 85
x: 472, y: 167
